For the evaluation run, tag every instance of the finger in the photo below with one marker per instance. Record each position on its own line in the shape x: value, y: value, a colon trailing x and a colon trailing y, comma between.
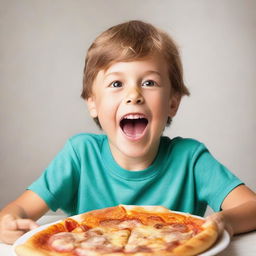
x: 26, y: 224
x: 9, y: 237
x: 9, y: 223
x: 217, y: 218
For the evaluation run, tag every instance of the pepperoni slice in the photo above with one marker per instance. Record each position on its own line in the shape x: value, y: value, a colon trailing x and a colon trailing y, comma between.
x: 62, y: 242
x: 123, y: 224
x: 170, y: 246
x: 179, y: 227
x: 71, y: 224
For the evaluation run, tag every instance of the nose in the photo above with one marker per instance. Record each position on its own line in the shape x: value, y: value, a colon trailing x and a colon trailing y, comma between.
x: 134, y: 97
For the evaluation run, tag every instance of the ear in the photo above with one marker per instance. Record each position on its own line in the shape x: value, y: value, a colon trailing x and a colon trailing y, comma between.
x: 91, y: 103
x: 174, y: 105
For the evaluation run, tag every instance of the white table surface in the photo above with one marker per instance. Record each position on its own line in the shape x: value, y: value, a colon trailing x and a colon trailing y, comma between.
x: 241, y: 245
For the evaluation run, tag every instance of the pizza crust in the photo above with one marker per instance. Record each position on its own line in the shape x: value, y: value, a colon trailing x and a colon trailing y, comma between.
x: 199, y: 243
x: 145, y: 208
x: 32, y: 246
x: 26, y: 250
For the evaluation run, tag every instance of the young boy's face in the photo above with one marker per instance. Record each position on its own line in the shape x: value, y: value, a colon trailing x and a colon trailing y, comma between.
x: 133, y: 101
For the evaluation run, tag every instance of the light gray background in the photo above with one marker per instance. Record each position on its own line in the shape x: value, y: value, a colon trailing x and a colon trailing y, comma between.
x: 43, y: 44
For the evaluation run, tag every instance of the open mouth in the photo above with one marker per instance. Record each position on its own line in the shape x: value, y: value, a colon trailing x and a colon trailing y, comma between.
x: 133, y: 125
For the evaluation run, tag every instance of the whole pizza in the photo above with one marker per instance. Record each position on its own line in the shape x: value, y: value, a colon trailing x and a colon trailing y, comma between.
x: 123, y: 230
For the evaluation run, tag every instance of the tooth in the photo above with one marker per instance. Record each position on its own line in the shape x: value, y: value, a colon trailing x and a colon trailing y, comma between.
x: 135, y: 116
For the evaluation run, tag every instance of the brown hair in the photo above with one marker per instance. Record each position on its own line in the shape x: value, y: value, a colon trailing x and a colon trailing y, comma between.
x: 130, y: 41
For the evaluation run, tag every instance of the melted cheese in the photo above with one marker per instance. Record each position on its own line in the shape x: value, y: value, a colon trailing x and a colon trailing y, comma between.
x: 154, y: 238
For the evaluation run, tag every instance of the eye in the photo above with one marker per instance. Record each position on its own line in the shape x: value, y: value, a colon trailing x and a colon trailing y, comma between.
x: 116, y: 84
x: 149, y: 83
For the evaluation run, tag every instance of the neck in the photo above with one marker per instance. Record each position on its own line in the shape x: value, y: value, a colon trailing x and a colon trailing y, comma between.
x: 134, y: 163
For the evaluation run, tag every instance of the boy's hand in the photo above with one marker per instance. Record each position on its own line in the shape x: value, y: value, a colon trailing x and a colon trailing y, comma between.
x: 11, y: 228
x: 218, y: 218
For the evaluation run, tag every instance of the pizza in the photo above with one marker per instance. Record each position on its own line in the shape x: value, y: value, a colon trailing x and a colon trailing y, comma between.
x: 123, y: 230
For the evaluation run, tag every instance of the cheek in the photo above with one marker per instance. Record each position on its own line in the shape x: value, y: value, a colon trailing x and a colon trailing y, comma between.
x: 106, y: 110
x: 160, y: 105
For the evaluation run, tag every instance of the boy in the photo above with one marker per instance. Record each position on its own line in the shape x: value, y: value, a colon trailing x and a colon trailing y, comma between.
x: 133, y: 85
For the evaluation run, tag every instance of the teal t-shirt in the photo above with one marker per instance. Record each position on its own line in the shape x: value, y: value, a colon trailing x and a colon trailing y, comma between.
x: 84, y: 176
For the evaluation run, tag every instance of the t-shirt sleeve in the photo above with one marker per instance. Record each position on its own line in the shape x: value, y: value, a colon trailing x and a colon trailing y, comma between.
x: 213, y: 180
x: 58, y: 183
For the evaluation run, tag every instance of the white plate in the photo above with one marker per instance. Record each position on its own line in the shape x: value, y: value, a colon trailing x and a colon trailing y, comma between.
x: 218, y: 247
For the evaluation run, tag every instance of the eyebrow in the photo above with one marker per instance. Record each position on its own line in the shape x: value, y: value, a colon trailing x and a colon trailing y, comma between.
x: 113, y: 73
x: 146, y: 73
x: 152, y: 72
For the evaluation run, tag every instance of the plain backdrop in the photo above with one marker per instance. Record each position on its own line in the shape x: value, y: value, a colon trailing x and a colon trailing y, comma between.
x: 42, y: 49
